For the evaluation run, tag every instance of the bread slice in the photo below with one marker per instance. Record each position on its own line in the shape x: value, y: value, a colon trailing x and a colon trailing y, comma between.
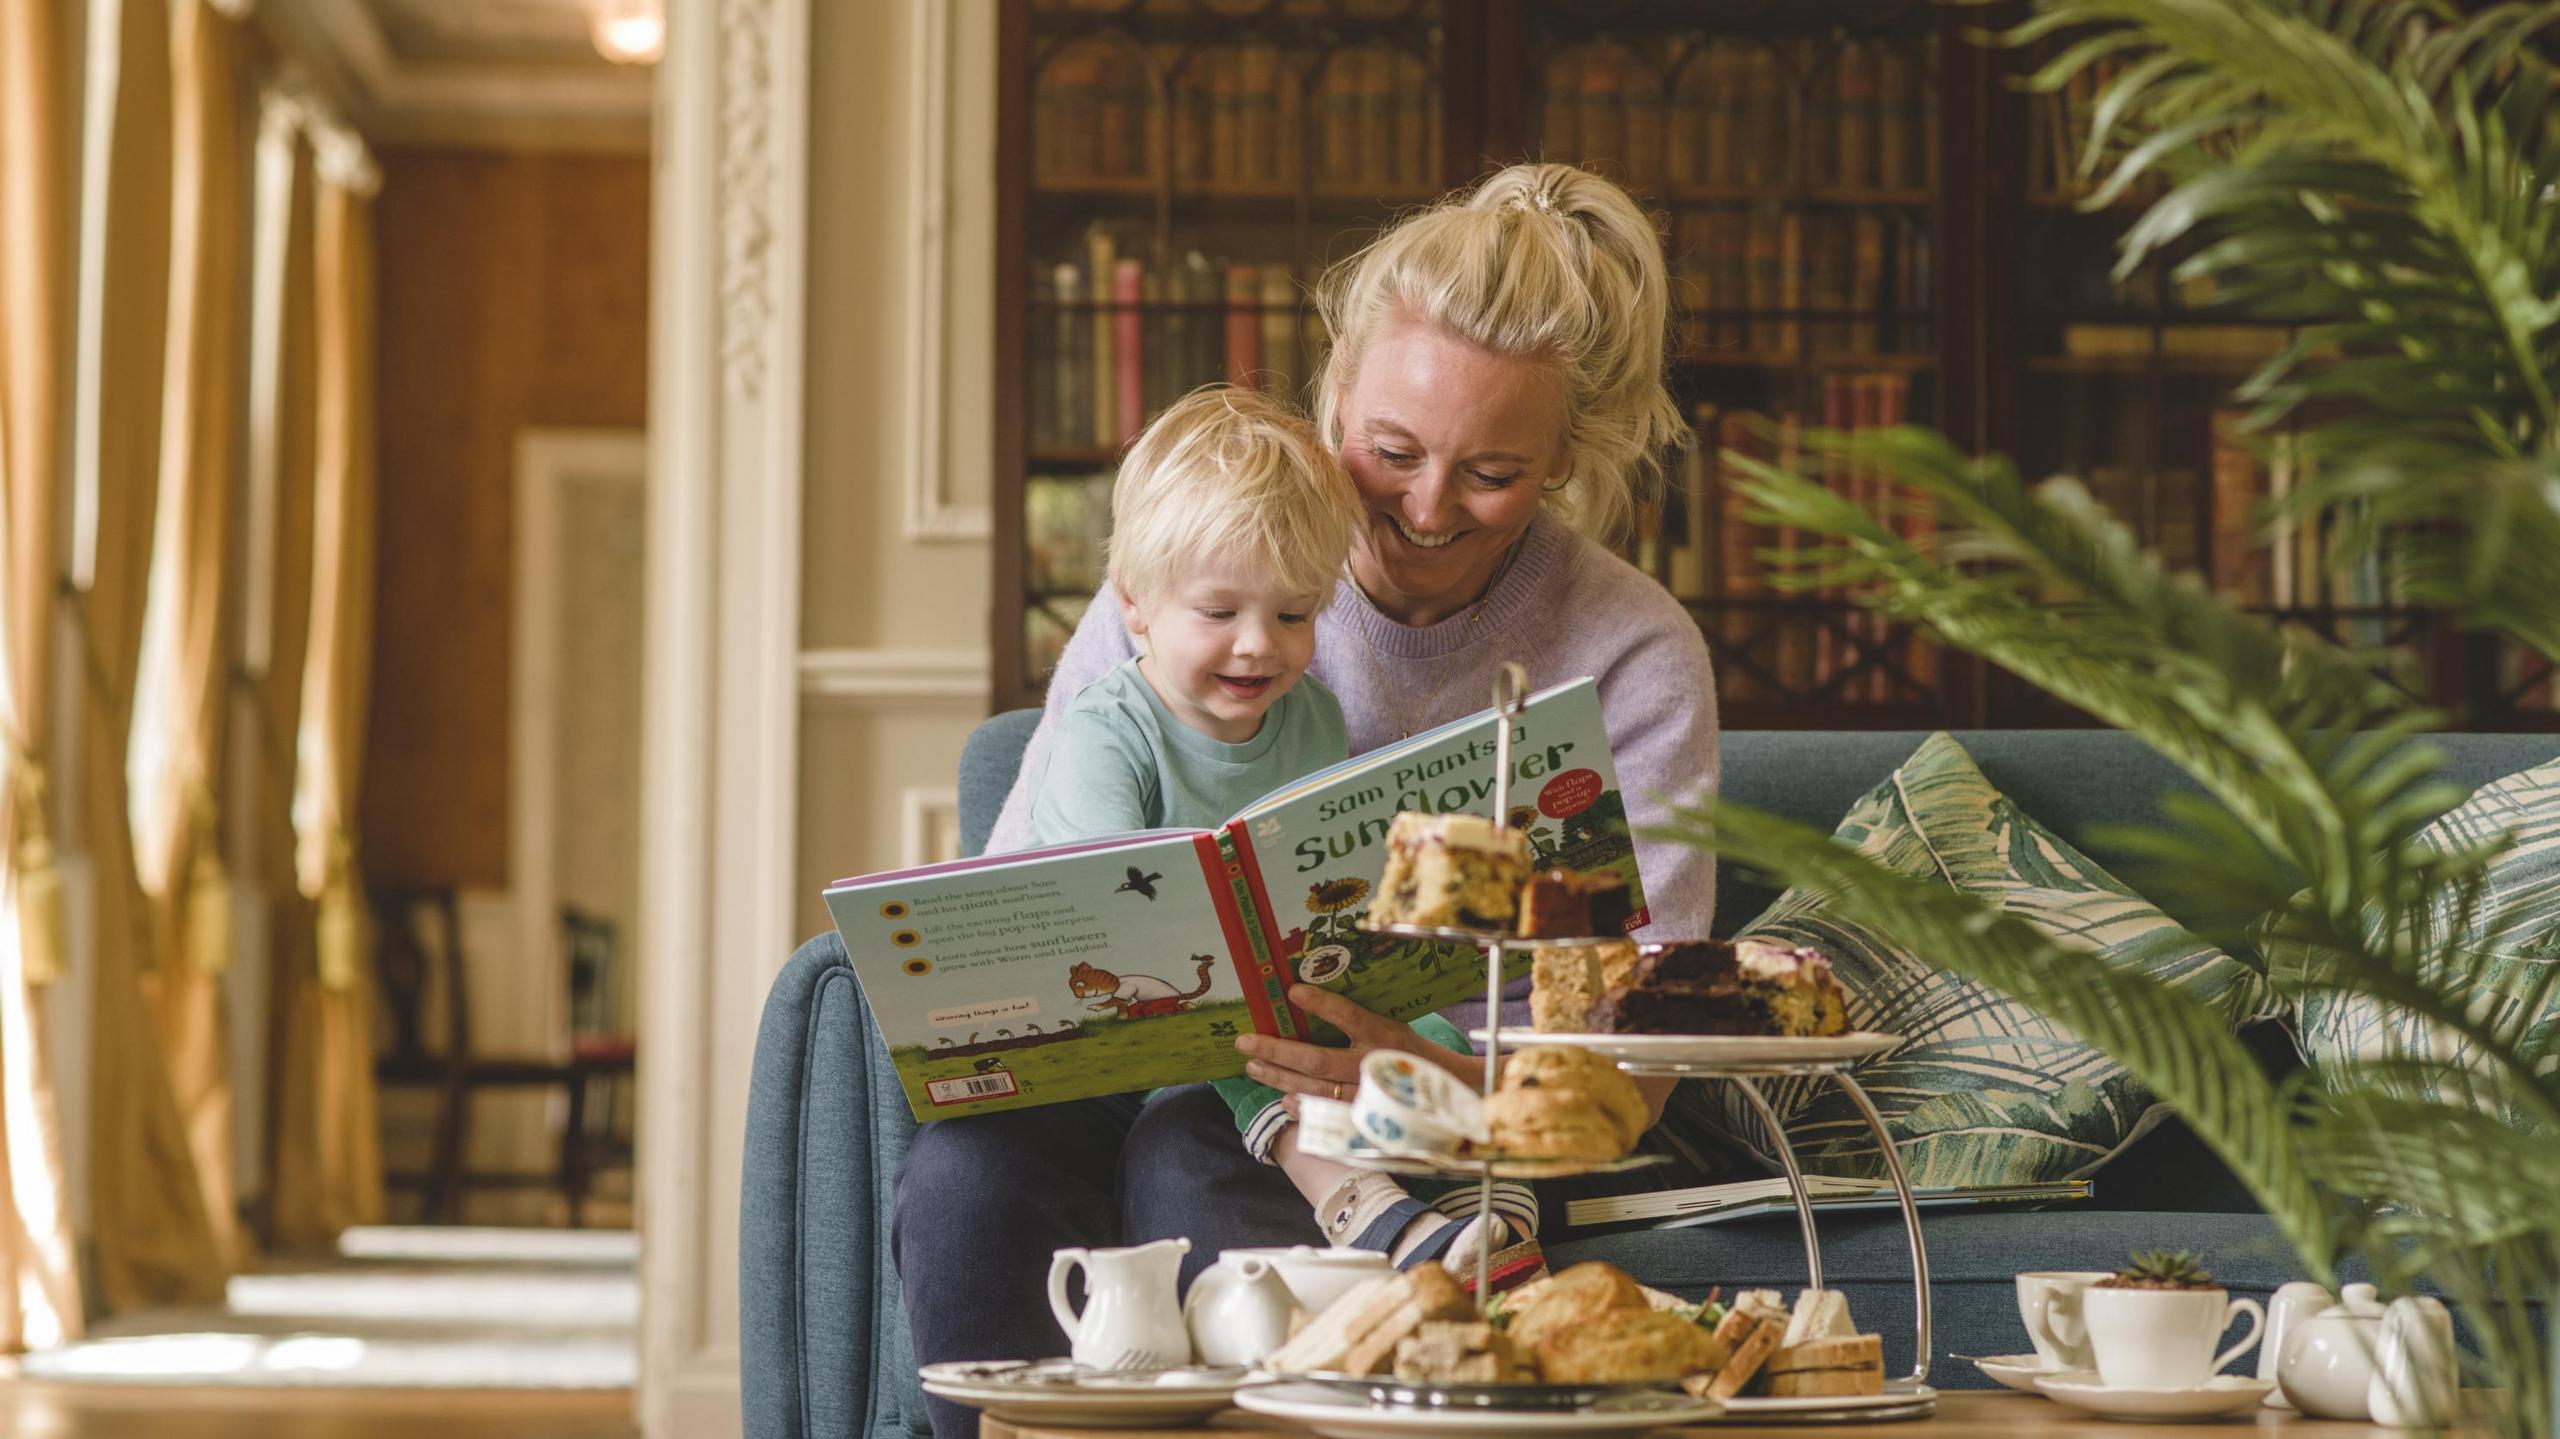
x: 1753, y: 1327
x: 1854, y: 1365
x: 1323, y: 1341
x: 1421, y: 1294
x: 1820, y: 1314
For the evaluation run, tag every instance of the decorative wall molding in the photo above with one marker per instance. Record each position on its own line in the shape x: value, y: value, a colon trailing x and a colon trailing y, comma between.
x: 746, y: 191
x: 720, y: 752
x: 931, y: 513
x: 507, y: 104
x: 923, y: 814
x: 874, y: 677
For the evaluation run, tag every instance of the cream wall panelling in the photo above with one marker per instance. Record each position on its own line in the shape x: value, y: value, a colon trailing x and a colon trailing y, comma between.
x: 728, y: 280
x: 932, y: 512
x: 548, y: 462
x: 886, y: 677
x: 928, y: 825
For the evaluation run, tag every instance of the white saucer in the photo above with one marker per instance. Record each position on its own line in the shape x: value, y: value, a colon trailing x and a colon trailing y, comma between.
x: 2015, y: 1371
x: 1743, y: 1052
x: 1341, y: 1414
x: 1898, y: 1396
x: 1040, y: 1393
x: 2222, y: 1394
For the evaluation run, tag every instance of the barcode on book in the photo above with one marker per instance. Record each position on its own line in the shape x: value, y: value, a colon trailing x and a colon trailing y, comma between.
x: 969, y: 1087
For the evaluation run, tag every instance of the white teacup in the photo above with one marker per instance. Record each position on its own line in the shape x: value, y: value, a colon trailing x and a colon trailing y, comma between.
x: 2162, y: 1339
x: 2049, y: 1305
x: 1406, y: 1103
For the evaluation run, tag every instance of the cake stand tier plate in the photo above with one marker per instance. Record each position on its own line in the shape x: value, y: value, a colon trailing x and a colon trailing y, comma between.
x: 1054, y: 1391
x: 1707, y: 1052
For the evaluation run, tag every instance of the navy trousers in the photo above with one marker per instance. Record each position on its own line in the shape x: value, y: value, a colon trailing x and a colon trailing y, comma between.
x: 983, y: 1202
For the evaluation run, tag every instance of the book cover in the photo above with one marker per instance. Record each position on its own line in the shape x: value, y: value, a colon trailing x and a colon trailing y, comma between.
x: 1101, y: 255
x: 1128, y: 350
x: 1279, y: 330
x: 1133, y: 961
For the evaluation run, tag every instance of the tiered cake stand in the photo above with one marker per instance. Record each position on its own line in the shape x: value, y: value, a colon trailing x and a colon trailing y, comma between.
x: 1725, y: 1058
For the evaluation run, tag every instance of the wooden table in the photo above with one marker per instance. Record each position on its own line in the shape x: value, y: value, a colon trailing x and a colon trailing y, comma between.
x: 1963, y: 1414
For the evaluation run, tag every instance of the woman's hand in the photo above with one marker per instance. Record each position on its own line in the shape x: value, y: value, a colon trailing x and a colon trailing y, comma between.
x: 1296, y: 1067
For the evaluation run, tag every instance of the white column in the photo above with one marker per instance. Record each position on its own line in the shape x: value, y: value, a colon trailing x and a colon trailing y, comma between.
x: 720, y: 734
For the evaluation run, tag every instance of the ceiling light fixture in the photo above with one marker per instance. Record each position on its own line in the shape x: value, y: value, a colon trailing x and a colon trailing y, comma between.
x: 629, y: 32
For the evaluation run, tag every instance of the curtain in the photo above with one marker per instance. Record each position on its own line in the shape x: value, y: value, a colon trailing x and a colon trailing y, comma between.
x: 154, y: 1240
x: 39, y: 1295
x: 176, y: 741
x: 329, y: 1160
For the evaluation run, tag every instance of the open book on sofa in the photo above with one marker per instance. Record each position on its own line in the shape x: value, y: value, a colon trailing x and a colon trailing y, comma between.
x: 1133, y: 961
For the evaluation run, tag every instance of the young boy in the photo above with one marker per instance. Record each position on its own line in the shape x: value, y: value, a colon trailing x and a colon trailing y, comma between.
x: 1230, y: 523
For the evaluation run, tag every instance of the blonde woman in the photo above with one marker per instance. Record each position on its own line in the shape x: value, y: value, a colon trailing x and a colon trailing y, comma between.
x: 1495, y: 388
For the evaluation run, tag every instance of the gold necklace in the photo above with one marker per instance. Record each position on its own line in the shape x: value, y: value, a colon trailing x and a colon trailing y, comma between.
x: 1448, y: 667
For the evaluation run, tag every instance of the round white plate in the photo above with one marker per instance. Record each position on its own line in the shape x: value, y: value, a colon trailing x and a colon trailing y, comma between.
x: 1046, y: 1392
x: 2222, y: 1394
x: 1340, y: 1414
x: 1738, y: 1051
x: 2015, y: 1371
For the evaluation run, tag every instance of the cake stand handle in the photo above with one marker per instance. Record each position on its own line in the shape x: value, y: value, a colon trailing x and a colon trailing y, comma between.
x: 1510, y: 691
x: 1795, y: 1178
x: 1910, y: 1220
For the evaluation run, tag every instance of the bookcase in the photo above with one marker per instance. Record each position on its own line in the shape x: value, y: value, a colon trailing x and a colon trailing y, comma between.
x: 1866, y: 221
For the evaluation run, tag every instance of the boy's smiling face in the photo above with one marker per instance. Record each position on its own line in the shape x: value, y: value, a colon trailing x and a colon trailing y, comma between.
x: 1222, y: 645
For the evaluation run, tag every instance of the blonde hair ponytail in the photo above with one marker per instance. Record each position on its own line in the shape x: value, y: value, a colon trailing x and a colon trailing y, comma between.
x: 1548, y: 263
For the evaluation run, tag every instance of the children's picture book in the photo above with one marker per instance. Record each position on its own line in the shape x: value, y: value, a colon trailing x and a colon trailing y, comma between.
x: 1124, y: 963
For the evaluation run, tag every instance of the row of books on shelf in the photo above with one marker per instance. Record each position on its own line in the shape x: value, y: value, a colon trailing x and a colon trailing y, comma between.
x: 1853, y: 115
x: 1116, y: 339
x: 1772, y: 280
x: 1772, y: 642
x: 2293, y: 564
x: 2059, y: 125
x: 1249, y: 116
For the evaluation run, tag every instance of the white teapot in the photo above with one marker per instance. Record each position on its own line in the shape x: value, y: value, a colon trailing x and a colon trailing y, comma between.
x: 2327, y: 1365
x: 1239, y: 1310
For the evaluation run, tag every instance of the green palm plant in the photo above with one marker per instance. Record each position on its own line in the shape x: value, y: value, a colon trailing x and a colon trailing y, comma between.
x: 2381, y: 173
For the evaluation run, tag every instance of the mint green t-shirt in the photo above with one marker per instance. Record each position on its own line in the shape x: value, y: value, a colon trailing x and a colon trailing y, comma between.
x: 1119, y: 760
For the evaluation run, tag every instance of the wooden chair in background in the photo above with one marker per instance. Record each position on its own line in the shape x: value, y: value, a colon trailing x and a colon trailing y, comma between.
x: 418, y: 956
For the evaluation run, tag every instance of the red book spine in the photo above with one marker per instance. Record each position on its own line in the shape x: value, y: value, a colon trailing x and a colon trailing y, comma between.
x: 1128, y: 317
x: 1268, y: 987
x: 1253, y: 975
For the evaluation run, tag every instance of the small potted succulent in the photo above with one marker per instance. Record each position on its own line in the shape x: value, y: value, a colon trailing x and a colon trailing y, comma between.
x: 2153, y: 1324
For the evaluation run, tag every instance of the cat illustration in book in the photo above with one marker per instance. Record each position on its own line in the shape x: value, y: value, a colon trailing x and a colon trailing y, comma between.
x: 1135, y: 996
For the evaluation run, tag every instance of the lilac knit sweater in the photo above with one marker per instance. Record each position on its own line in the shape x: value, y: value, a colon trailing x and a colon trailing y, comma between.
x: 1565, y: 609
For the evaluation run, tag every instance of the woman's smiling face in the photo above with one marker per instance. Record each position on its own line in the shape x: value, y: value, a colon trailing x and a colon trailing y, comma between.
x: 1449, y: 445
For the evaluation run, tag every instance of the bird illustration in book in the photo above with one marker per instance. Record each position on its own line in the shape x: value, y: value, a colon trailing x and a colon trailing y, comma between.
x: 1135, y: 996
x: 1139, y: 882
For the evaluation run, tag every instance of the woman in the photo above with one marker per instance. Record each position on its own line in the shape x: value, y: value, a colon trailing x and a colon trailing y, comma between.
x: 1495, y: 388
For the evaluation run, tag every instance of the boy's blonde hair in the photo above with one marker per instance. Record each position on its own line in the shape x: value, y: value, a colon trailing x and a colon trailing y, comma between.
x: 1230, y: 473
x: 1548, y: 263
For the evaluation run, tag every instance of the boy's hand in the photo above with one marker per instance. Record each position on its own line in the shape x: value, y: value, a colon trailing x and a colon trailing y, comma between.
x: 1296, y: 1067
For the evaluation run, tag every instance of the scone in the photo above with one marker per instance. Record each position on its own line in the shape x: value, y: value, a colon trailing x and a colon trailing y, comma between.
x: 1622, y: 1347
x: 1563, y: 1067
x: 1570, y: 1298
x: 1551, y: 1124
x: 1451, y: 871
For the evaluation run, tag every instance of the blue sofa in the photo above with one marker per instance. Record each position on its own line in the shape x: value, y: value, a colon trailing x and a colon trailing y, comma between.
x: 824, y: 1346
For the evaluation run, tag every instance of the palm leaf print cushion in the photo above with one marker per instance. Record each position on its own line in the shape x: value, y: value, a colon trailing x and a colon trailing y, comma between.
x: 2501, y: 948
x: 1982, y: 1089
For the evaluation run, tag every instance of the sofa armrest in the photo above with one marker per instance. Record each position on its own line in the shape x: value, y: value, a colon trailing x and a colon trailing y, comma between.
x: 823, y: 1345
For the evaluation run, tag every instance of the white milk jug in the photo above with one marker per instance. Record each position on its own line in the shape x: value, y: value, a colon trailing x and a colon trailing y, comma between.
x: 1131, y: 1318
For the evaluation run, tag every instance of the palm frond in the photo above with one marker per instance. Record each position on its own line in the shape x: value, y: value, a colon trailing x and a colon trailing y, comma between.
x: 2178, y: 1046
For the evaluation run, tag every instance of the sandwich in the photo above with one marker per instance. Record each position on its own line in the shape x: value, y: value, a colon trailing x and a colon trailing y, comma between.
x: 1322, y: 1342
x: 1750, y: 1331
x: 1461, y: 1351
x: 1823, y: 1353
x: 1412, y: 1299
